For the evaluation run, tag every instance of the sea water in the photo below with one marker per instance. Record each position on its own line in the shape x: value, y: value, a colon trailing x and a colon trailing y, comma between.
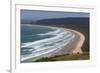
x: 39, y: 40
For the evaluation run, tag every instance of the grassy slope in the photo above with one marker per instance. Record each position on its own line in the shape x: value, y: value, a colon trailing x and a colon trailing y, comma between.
x: 66, y: 57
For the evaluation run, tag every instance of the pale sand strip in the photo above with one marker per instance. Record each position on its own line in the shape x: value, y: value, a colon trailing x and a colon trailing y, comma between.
x: 79, y: 42
x: 74, y: 46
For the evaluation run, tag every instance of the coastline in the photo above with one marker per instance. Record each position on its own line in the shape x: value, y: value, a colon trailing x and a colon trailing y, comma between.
x: 74, y: 46
x: 80, y: 38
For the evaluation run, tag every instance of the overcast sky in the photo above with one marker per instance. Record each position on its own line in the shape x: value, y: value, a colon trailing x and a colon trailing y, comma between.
x: 37, y: 15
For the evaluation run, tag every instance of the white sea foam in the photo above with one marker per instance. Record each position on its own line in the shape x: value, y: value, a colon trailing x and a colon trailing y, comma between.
x: 56, y: 38
x: 48, y: 45
x: 51, y: 33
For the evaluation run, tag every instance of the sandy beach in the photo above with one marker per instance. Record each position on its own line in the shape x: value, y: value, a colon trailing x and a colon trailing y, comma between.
x: 74, y: 47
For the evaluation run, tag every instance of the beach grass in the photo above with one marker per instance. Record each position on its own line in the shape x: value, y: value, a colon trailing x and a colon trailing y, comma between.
x: 65, y: 57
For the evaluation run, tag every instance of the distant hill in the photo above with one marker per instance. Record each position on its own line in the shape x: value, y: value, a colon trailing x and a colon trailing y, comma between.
x: 75, y: 21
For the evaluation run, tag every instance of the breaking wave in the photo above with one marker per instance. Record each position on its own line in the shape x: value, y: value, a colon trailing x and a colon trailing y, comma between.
x: 48, y: 45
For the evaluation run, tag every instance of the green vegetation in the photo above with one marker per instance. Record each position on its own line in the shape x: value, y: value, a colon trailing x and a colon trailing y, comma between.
x: 66, y: 57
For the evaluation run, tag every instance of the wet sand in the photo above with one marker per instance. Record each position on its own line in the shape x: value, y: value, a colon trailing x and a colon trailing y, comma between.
x: 73, y: 47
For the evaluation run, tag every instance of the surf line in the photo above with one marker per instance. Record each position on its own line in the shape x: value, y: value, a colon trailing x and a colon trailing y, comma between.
x: 77, y: 48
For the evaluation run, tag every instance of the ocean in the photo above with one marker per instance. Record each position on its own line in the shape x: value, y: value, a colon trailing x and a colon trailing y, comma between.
x: 39, y: 40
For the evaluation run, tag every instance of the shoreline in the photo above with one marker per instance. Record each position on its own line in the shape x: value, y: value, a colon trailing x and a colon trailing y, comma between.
x: 74, y: 46
x: 79, y: 38
x: 80, y: 41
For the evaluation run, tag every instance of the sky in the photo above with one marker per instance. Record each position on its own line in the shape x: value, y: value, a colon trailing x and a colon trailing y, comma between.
x: 38, y: 15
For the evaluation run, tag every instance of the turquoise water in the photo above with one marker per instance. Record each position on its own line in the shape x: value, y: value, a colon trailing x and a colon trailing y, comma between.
x: 40, y: 40
x: 30, y: 33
